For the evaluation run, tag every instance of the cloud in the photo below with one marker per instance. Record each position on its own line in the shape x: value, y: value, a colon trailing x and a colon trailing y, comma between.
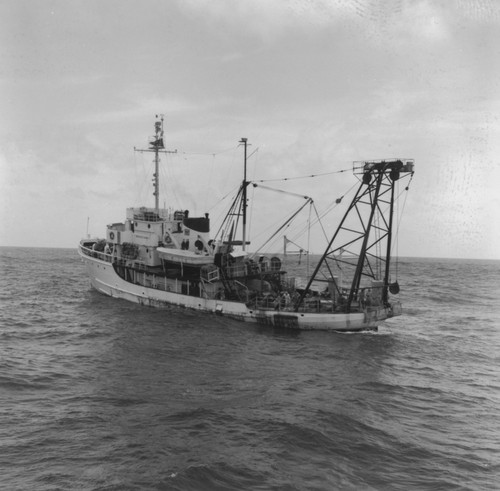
x: 313, y: 84
x: 399, y: 20
x: 266, y: 19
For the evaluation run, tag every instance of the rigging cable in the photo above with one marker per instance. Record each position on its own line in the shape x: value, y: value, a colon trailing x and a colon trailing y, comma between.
x: 254, y: 184
x: 222, y: 212
x: 328, y: 210
x: 168, y: 172
x: 311, y: 204
x: 397, y: 239
x: 211, y: 153
x: 208, y: 187
x: 321, y: 223
x: 250, y: 221
x: 277, y: 191
x: 400, y: 217
x: 283, y: 226
x: 236, y: 205
x: 309, y: 176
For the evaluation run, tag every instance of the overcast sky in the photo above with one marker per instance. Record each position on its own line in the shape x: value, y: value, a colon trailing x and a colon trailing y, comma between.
x: 313, y: 85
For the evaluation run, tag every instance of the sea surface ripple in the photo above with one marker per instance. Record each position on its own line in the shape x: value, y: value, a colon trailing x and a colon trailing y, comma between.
x: 101, y: 394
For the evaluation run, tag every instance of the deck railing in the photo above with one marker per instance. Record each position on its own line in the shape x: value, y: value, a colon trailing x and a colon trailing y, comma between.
x: 103, y: 256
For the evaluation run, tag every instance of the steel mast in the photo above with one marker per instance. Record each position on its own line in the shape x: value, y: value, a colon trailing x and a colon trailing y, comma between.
x: 156, y: 146
x: 244, y: 196
x: 157, y: 143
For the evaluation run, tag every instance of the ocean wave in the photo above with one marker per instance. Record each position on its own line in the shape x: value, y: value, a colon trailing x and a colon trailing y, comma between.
x: 218, y: 476
x: 99, y: 393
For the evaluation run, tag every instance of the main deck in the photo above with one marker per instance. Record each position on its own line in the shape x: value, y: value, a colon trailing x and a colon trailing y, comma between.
x: 135, y: 282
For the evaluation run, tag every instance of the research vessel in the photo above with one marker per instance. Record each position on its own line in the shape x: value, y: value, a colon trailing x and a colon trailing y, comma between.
x: 161, y: 257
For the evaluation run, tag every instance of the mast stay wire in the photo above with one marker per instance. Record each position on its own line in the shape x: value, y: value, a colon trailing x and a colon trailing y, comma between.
x: 142, y: 195
x: 168, y: 172
x: 209, y: 205
x: 223, y: 212
x: 209, y: 185
x: 139, y: 192
x: 233, y: 190
x: 185, y: 156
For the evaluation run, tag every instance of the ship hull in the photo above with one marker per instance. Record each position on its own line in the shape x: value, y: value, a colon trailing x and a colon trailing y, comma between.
x: 104, y: 279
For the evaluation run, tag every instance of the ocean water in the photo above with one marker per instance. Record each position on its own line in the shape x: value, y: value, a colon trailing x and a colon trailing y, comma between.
x: 101, y: 394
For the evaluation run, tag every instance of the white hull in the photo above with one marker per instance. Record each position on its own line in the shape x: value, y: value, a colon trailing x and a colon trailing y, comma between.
x: 105, y: 280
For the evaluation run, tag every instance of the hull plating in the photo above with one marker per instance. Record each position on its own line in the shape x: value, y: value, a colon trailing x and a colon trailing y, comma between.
x: 104, y: 279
